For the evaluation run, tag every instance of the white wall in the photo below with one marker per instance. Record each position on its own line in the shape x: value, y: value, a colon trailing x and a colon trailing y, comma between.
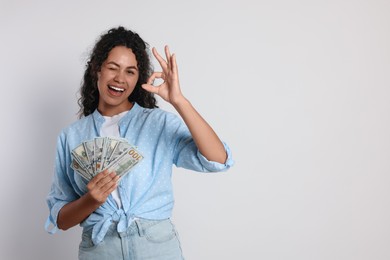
x: 299, y: 89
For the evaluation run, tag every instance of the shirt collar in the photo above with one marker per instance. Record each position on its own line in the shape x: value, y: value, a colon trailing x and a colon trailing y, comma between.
x: 99, y: 119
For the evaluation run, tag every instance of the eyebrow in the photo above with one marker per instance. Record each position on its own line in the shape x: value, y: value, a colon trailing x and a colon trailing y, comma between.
x: 116, y: 64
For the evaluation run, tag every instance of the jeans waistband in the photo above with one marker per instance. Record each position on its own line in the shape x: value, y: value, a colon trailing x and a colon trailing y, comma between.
x: 138, y: 226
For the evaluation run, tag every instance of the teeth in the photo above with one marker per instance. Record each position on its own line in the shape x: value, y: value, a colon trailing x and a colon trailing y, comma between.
x: 117, y: 89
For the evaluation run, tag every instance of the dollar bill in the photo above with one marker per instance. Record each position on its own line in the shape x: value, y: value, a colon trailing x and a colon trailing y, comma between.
x: 110, y: 146
x: 89, y: 147
x: 125, y: 162
x: 80, y: 156
x: 120, y: 148
x: 98, y: 154
x: 94, y: 156
x: 76, y: 167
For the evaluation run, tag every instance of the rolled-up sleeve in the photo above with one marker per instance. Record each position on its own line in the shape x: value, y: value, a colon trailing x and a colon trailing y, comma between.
x: 212, y: 166
x: 187, y: 155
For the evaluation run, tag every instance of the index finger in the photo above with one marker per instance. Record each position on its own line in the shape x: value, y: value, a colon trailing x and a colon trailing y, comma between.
x: 160, y: 60
x: 168, y: 55
x: 99, y: 177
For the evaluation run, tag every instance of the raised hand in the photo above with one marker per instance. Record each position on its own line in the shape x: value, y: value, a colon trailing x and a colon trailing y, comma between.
x: 204, y: 136
x: 169, y: 89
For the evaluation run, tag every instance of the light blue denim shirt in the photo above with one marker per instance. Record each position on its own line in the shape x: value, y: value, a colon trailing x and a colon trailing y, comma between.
x: 146, y: 192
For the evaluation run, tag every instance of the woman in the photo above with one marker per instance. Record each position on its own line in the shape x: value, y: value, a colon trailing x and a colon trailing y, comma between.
x: 129, y: 218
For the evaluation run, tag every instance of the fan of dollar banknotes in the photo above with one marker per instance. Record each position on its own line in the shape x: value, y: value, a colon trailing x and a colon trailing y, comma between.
x: 94, y: 156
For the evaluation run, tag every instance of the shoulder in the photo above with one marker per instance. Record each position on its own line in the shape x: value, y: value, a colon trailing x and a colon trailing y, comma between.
x: 79, y: 126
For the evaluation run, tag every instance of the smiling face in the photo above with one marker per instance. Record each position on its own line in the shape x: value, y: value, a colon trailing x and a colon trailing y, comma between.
x: 116, y: 81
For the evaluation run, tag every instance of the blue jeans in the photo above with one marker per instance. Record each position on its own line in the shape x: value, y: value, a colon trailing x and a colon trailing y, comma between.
x: 144, y: 239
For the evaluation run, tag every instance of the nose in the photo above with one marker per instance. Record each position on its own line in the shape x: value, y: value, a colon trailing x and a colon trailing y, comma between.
x: 119, y: 77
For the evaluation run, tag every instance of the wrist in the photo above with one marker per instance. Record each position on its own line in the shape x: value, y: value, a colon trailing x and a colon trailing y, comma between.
x: 180, y: 102
x: 90, y: 202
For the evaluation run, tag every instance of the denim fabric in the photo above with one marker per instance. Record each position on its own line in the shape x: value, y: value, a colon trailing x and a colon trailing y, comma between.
x: 146, y: 192
x: 144, y: 239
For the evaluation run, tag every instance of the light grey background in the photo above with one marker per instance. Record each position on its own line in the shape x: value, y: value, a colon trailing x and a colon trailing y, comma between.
x: 299, y: 89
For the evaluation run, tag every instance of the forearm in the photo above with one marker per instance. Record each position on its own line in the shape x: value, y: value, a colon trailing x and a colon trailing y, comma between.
x: 204, y: 136
x: 99, y: 188
x: 75, y: 212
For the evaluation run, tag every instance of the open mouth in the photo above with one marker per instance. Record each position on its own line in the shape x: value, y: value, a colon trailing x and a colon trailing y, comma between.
x: 116, y: 89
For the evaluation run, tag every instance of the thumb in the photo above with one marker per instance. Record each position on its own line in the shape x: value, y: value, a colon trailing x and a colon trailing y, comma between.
x: 150, y: 88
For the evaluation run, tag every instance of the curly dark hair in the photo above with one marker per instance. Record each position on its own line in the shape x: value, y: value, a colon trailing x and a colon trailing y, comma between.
x: 89, y: 94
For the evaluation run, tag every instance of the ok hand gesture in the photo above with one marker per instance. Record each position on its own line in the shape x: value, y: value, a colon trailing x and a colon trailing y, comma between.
x: 169, y: 89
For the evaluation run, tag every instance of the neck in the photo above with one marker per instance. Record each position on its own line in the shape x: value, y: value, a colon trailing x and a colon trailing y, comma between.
x: 114, y: 110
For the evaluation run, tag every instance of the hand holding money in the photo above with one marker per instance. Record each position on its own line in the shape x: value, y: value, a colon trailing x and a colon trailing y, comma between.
x: 104, y: 153
x: 101, y: 186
